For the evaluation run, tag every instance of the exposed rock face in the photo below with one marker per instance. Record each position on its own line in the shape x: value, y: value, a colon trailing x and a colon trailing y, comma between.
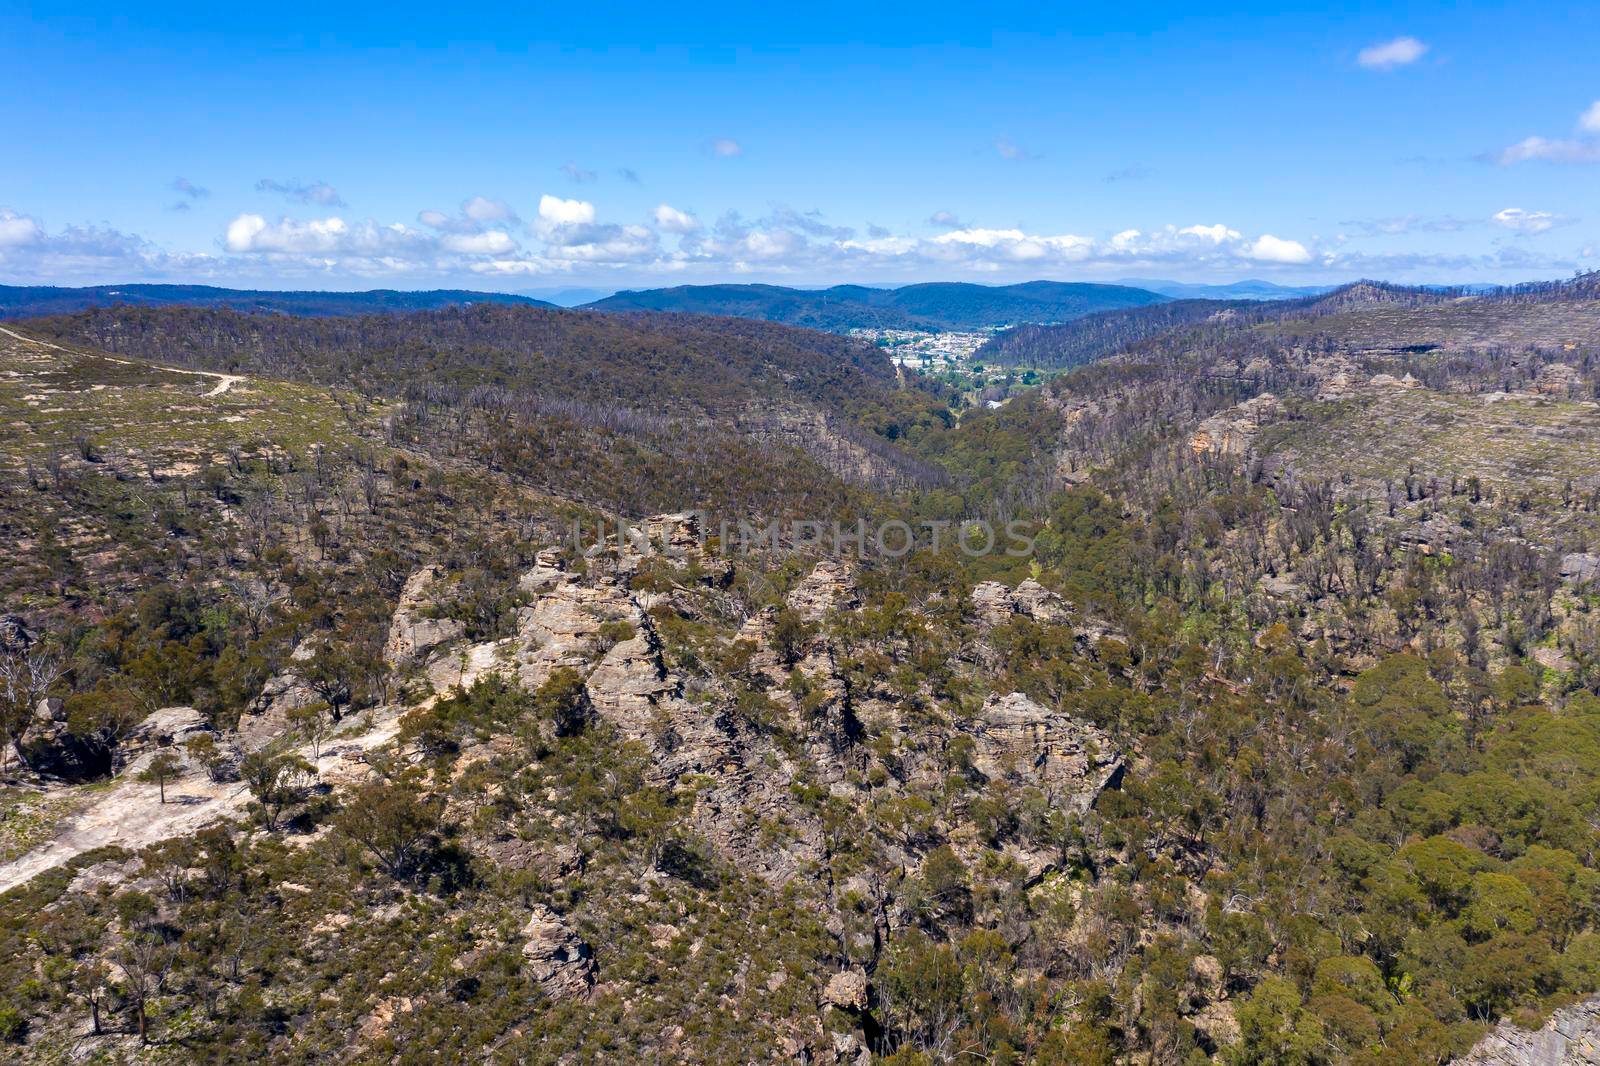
x: 1570, y: 1038
x: 1072, y: 762
x: 1580, y: 567
x: 561, y: 962
x: 167, y: 727
x: 281, y: 694
x: 413, y: 635
x: 826, y: 589
x: 1232, y: 431
x: 996, y: 604
x: 572, y: 625
x: 846, y: 990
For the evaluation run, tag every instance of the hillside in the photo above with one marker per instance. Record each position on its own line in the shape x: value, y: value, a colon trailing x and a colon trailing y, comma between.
x: 1095, y: 336
x: 35, y: 300
x: 685, y: 382
x: 935, y: 306
x: 333, y: 729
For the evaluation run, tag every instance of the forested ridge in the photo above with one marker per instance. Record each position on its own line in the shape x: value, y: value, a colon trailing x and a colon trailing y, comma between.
x: 928, y: 306
x: 1281, y: 746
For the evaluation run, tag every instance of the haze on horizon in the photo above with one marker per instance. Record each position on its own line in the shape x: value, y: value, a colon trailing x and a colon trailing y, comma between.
x: 631, y: 146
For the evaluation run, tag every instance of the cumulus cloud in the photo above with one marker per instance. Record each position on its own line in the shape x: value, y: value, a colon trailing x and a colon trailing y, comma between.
x: 330, y: 238
x: 725, y: 147
x: 555, y: 211
x: 1216, y: 234
x: 1388, y: 55
x: 17, y: 230
x: 319, y: 193
x: 1270, y: 249
x: 1583, y: 149
x: 1528, y: 222
x: 946, y: 219
x: 671, y: 220
x: 483, y: 209
x: 477, y: 214
x: 490, y: 242
x: 31, y: 253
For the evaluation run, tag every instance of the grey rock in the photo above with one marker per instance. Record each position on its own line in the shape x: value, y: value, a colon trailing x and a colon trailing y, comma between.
x: 1580, y: 567
x: 1071, y: 761
x: 555, y: 956
x: 412, y: 635
x: 1570, y: 1038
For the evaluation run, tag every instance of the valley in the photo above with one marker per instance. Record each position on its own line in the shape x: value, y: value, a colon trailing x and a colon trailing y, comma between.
x: 325, y: 738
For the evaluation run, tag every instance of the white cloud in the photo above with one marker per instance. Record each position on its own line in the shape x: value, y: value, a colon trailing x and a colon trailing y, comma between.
x: 569, y: 237
x: 492, y: 242
x: 1388, y: 55
x: 17, y: 230
x: 558, y: 212
x: 483, y: 209
x: 242, y: 232
x: 672, y: 220
x: 391, y: 244
x: 1515, y: 218
x: 1590, y: 119
x: 609, y: 244
x: 1541, y: 149
x: 726, y: 147
x: 1270, y: 249
x: 1215, y: 234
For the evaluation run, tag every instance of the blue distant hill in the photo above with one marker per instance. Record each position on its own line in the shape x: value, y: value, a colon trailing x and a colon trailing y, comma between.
x: 33, y: 300
x: 933, y: 306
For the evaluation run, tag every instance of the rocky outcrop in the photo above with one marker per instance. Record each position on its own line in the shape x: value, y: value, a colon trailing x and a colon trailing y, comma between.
x: 556, y: 957
x: 1233, y: 431
x: 846, y: 990
x: 1580, y: 567
x: 600, y: 631
x: 1070, y: 761
x: 168, y: 727
x: 996, y: 604
x: 1389, y: 381
x: 1570, y: 1038
x: 413, y: 636
x: 829, y: 587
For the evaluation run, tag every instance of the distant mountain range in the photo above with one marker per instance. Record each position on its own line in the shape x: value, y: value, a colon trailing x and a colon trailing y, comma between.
x: 1238, y: 290
x: 937, y: 305
x: 928, y: 306
x: 33, y: 300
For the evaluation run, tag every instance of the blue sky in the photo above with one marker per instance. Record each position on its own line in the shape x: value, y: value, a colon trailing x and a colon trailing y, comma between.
x: 529, y: 148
